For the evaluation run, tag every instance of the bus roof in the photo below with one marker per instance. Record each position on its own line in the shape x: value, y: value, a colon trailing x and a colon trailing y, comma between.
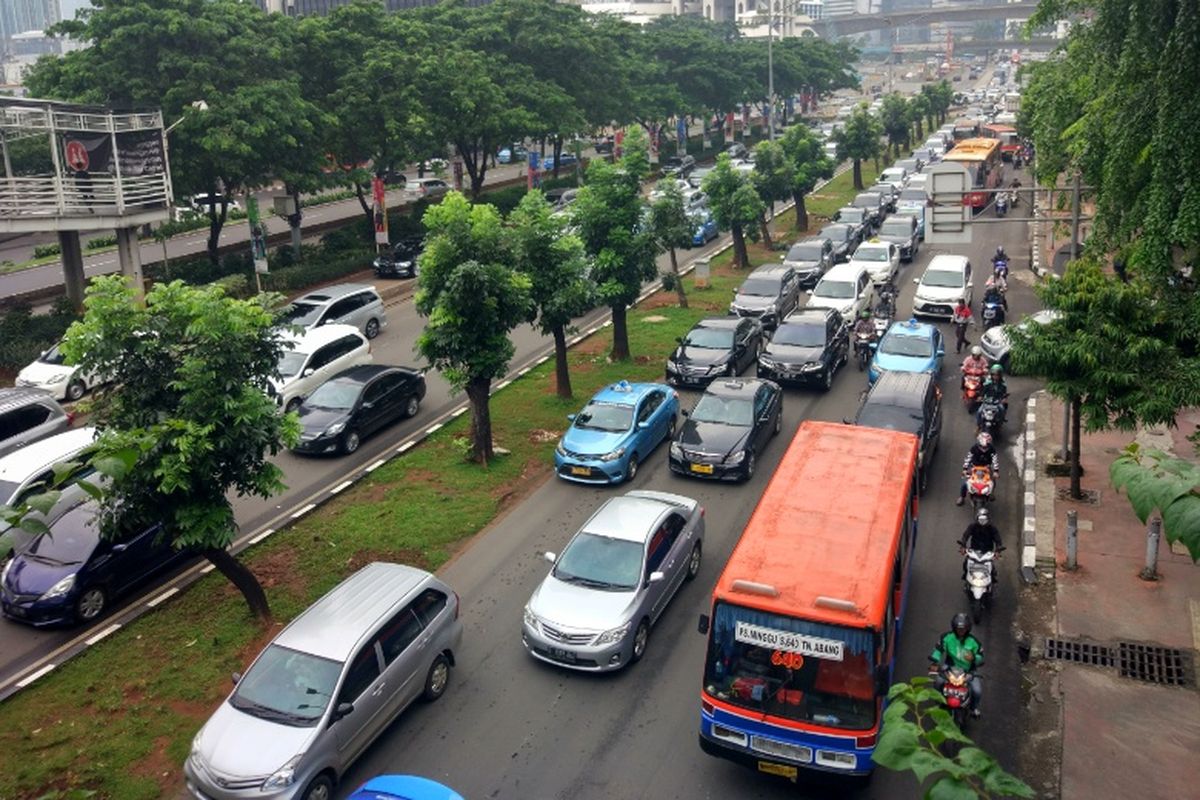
x: 978, y: 149
x: 827, y: 527
x: 998, y: 128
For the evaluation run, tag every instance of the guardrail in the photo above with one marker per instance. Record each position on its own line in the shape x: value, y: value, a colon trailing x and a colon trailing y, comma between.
x: 51, y: 196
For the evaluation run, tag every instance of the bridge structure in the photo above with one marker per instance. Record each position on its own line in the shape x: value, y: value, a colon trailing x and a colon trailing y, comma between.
x: 854, y: 24
x: 1040, y: 44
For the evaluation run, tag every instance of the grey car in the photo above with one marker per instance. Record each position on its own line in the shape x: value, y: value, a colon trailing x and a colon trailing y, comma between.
x: 770, y: 293
x: 356, y: 304
x: 844, y: 238
x: 810, y: 259
x: 594, y: 611
x: 861, y: 219
x: 874, y: 203
x: 27, y: 415
x: 901, y: 230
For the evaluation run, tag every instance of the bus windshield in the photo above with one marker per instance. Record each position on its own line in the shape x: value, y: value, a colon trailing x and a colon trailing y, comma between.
x: 792, y: 668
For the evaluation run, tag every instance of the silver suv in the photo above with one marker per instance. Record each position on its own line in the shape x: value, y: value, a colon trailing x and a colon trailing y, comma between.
x: 327, y: 686
x: 356, y: 304
x: 616, y: 576
x: 27, y: 415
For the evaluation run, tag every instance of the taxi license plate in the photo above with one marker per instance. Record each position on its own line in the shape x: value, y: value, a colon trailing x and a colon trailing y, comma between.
x: 783, y: 770
x: 581, y: 471
x: 704, y: 469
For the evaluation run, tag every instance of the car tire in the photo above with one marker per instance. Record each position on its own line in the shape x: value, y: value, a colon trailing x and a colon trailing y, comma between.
x: 90, y: 604
x: 640, y: 637
x: 75, y: 390
x: 671, y: 427
x: 437, y: 679
x: 412, y: 406
x: 321, y: 788
x: 632, y: 468
x: 922, y: 480
x: 694, y: 559
x: 350, y: 442
x: 778, y: 423
x: 293, y: 404
x: 827, y: 379
x: 750, y: 462
x: 371, y: 329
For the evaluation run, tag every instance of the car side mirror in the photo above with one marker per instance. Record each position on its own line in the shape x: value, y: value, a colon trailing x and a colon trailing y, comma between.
x: 656, y: 577
x: 236, y: 678
x: 808, y: 291
x: 917, y: 281
x: 970, y: 284
x: 368, y: 404
x: 308, y: 371
x: 342, y: 710
x: 847, y: 421
x: 643, y: 426
x: 702, y: 625
x: 550, y: 556
x: 570, y: 417
x: 683, y: 412
x: 941, y: 351
x: 783, y: 257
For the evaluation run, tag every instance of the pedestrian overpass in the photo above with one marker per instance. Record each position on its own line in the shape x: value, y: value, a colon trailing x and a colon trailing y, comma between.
x: 854, y: 24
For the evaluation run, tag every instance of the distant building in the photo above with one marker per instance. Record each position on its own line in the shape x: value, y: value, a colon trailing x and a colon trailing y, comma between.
x: 309, y: 8
x: 640, y: 12
x: 23, y: 16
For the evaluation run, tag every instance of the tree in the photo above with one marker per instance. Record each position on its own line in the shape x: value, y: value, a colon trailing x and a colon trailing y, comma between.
x: 472, y: 298
x: 916, y: 728
x: 187, y: 413
x: 918, y: 110
x: 772, y: 179
x: 1157, y: 482
x: 672, y: 228
x: 940, y: 95
x: 609, y: 214
x: 859, y: 139
x: 735, y: 205
x: 809, y: 164
x: 894, y: 115
x: 557, y: 268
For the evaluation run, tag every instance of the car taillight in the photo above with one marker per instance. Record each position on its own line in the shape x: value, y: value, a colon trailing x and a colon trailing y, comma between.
x: 702, y: 511
x: 866, y: 741
x: 70, y: 417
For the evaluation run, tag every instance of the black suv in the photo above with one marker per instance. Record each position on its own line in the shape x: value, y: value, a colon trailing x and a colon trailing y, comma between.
x: 808, y: 347
x: 679, y: 166
x: 910, y: 402
x: 401, y: 262
x: 844, y: 237
x: 769, y: 293
x: 714, y: 347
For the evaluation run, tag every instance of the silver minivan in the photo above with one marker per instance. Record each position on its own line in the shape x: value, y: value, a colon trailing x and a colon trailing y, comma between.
x: 326, y: 686
x: 357, y: 304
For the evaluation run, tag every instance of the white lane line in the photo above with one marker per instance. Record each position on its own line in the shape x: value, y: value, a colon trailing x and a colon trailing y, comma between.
x: 606, y: 323
x: 91, y: 640
x: 303, y: 511
x: 162, y: 598
x: 404, y: 448
x: 1029, y: 499
x: 376, y: 465
x: 459, y: 412
x: 28, y: 679
x: 432, y: 430
x: 266, y: 533
x: 502, y: 384
x: 522, y: 372
x: 543, y: 360
x: 341, y: 487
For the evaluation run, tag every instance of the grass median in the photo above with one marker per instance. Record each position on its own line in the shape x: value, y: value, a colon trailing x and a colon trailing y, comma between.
x: 119, y: 718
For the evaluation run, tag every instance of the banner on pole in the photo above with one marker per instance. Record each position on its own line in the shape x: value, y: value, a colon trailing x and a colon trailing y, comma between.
x: 379, y: 194
x: 258, y: 235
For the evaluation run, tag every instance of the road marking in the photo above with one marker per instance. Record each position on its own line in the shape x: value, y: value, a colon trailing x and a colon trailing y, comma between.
x: 459, y: 412
x: 174, y: 590
x: 207, y: 568
x: 91, y: 640
x: 606, y: 323
x: 543, y: 360
x: 502, y: 384
x: 303, y: 511
x: 28, y: 679
x: 335, y: 490
x: 1029, y: 499
x: 1194, y: 607
x: 263, y: 535
x: 434, y: 429
x: 378, y: 464
x: 409, y: 445
x: 522, y: 372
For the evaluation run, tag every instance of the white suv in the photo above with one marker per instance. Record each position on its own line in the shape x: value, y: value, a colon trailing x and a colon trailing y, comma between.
x: 315, y: 357
x: 847, y: 288
x: 878, y: 257
x: 946, y: 279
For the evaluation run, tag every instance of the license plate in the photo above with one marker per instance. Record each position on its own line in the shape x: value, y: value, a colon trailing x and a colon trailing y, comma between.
x: 581, y: 470
x: 705, y: 469
x: 562, y: 655
x: 783, y: 770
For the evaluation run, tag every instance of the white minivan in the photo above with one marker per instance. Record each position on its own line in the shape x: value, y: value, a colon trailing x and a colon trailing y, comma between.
x: 313, y: 358
x: 846, y: 288
x: 946, y: 280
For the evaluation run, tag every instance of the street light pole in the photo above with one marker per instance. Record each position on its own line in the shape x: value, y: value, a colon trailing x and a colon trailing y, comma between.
x: 770, y: 78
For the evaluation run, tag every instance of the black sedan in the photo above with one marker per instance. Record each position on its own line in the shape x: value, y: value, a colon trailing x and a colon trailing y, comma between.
x: 401, y: 261
x: 715, y: 347
x: 730, y: 425
x: 844, y: 237
x: 808, y: 347
x: 355, y: 403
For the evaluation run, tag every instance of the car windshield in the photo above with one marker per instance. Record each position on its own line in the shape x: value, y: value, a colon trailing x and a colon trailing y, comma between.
x: 302, y: 314
x: 601, y: 562
x: 737, y: 411
x: 335, y: 395
x: 710, y: 338
x: 672, y: 162
x: 893, y: 175
x: 871, y: 254
x: 605, y: 417
x: 805, y: 252
x: 838, y: 290
x: 867, y: 201
x: 838, y: 233
x: 290, y: 363
x: 897, y: 227
x: 8, y: 493
x: 800, y: 334
x: 914, y: 195
x: 760, y: 287
x: 287, y: 686
x: 52, y: 356
x: 902, y: 344
x: 892, y: 418
x: 71, y: 540
x: 791, y: 668
x: 853, y: 214
x: 943, y: 279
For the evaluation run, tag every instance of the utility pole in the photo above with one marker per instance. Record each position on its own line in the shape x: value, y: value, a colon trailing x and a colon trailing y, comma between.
x: 770, y: 76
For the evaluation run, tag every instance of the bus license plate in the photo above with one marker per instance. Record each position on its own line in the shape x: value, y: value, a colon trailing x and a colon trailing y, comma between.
x: 585, y: 471
x: 783, y: 770
x: 704, y: 469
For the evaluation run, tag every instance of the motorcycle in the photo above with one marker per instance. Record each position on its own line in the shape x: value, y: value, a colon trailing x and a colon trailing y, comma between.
x: 971, y: 388
x: 1001, y: 204
x: 980, y: 485
x: 980, y: 580
x: 992, y: 313
x: 990, y: 418
x: 1000, y: 268
x: 956, y: 690
x: 862, y: 349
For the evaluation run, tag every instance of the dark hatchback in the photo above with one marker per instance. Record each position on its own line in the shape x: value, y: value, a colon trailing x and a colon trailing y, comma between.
x: 729, y: 426
x: 910, y: 402
x: 69, y: 574
x: 807, y: 348
x: 401, y: 261
x: 715, y: 347
x: 355, y: 403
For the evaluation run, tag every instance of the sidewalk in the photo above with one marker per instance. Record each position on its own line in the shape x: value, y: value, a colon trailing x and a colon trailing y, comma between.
x: 1121, y: 735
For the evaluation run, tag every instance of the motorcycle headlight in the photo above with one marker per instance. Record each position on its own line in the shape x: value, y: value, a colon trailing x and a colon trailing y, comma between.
x: 614, y: 455
x: 57, y: 590
x: 613, y: 636
x: 284, y: 776
x: 736, y: 458
x: 335, y: 429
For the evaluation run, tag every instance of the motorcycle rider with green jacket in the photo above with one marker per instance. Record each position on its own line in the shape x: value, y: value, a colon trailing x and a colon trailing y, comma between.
x: 958, y: 648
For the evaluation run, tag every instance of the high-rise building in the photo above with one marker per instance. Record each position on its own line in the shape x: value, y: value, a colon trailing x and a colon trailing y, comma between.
x: 307, y: 8
x: 24, y: 16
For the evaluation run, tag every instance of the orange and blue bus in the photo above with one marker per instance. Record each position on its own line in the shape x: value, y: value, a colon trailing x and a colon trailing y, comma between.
x: 981, y: 157
x: 806, y: 614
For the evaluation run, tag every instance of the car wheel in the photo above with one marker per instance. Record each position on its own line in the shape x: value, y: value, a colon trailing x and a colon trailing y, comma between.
x: 749, y: 466
x: 640, y: 637
x: 827, y: 379
x: 293, y: 404
x: 91, y: 604
x: 321, y: 788
x: 75, y: 390
x: 372, y: 328
x: 778, y: 424
x: 412, y: 406
x: 350, y: 442
x: 923, y: 480
x: 437, y: 680
x: 631, y: 470
x: 671, y: 428
x: 694, y: 561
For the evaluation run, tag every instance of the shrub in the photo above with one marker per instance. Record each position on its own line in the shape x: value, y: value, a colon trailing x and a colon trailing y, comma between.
x: 24, y: 335
x: 100, y: 242
x: 46, y: 250
x: 308, y: 273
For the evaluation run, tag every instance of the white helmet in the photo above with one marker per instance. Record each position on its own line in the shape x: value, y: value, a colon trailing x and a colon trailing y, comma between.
x: 982, y: 517
x: 977, y: 351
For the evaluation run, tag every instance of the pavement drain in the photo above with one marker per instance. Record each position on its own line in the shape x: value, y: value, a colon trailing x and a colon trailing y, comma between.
x: 1148, y: 663
x: 1098, y: 655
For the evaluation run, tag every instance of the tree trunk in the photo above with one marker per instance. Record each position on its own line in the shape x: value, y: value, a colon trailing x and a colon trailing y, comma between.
x: 858, y: 184
x: 481, y: 420
x: 368, y: 212
x: 294, y: 221
x: 620, y: 347
x: 562, y: 375
x: 920, y: 128
x: 1076, y: 491
x: 678, y: 279
x: 741, y: 259
x: 801, y: 213
x: 558, y: 143
x: 241, y: 577
x: 766, y: 232
x: 215, y: 223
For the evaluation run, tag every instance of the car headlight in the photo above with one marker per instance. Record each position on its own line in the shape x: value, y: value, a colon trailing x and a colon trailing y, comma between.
x: 335, y: 429
x: 284, y: 776
x: 736, y: 458
x: 717, y: 367
x: 4, y: 572
x: 58, y: 378
x: 562, y: 451
x: 676, y: 450
x: 614, y: 455
x: 811, y: 366
x: 613, y: 636
x: 530, y: 618
x: 57, y: 590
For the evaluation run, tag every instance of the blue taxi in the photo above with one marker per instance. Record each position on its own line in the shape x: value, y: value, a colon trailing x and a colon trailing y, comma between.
x: 617, y: 430
x: 909, y: 346
x: 404, y: 787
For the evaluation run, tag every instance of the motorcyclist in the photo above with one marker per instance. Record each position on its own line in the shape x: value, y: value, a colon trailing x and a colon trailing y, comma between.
x: 864, y: 327
x: 961, y: 317
x: 995, y: 389
x: 974, y: 364
x: 982, y: 537
x: 982, y: 454
x: 958, y: 648
x: 887, y: 296
x: 992, y: 294
x: 996, y: 259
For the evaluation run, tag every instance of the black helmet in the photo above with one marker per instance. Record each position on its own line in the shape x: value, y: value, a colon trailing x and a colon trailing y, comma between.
x: 961, y: 624
x: 1000, y: 251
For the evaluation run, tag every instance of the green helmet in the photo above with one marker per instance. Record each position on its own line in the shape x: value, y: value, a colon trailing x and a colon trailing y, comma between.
x: 864, y: 314
x: 997, y: 369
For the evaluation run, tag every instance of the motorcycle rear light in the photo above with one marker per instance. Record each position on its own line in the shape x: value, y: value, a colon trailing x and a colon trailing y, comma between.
x: 701, y: 511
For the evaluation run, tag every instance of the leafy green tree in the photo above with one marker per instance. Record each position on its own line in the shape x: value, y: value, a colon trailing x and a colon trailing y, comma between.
x: 894, y: 115
x: 772, y: 179
x: 672, y: 228
x: 940, y: 95
x: 610, y: 216
x: 809, y: 164
x: 919, y: 109
x: 917, y: 728
x: 735, y: 205
x: 472, y: 298
x: 187, y: 420
x: 1157, y: 482
x: 859, y: 139
x: 555, y: 263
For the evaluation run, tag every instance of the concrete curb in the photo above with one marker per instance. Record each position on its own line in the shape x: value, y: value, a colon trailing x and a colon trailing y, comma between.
x: 1029, y: 528
x: 1038, y: 560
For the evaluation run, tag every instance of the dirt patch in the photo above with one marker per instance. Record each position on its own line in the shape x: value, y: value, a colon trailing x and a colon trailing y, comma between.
x: 593, y: 346
x: 512, y: 493
x: 661, y: 299
x: 401, y: 555
x: 541, y: 436
x: 159, y: 767
x: 276, y: 567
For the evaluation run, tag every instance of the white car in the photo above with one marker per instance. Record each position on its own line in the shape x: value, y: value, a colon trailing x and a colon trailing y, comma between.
x: 50, y: 373
x: 846, y: 288
x: 313, y: 358
x: 879, y: 258
x: 946, y: 279
x: 664, y: 185
x: 995, y: 341
x: 896, y: 176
